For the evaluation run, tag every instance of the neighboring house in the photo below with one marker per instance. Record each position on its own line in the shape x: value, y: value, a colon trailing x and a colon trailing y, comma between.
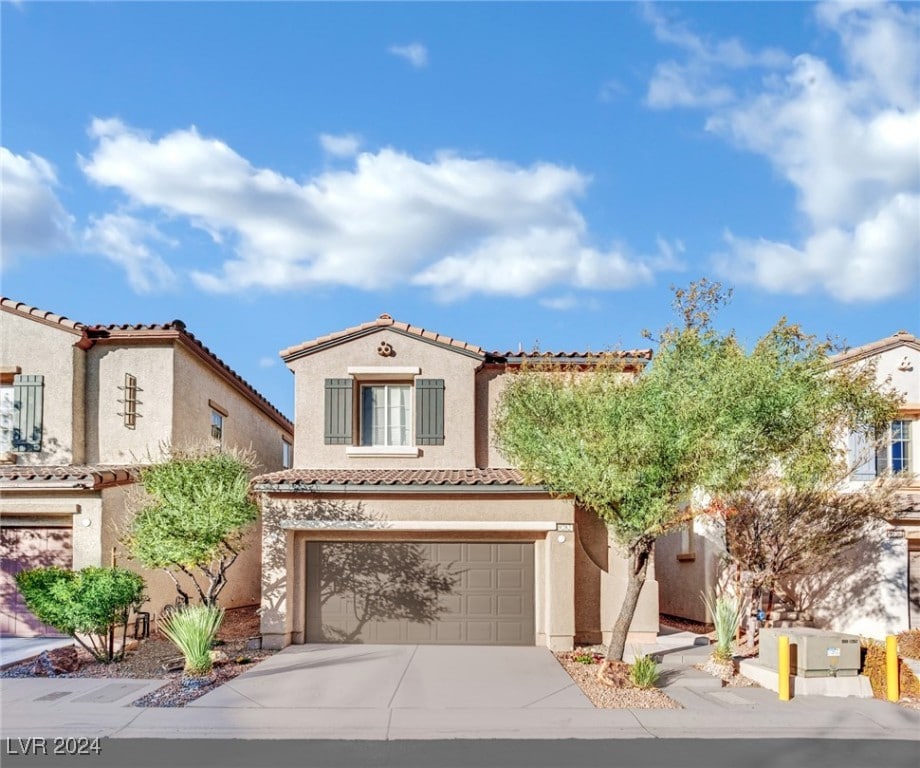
x: 400, y: 521
x: 80, y: 407
x: 875, y: 590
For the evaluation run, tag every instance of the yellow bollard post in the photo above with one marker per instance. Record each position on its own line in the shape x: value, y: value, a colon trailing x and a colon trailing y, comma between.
x: 784, y: 668
x: 891, y: 668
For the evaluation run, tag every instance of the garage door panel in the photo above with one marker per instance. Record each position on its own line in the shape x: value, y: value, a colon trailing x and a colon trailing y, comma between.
x: 24, y: 548
x: 489, y: 585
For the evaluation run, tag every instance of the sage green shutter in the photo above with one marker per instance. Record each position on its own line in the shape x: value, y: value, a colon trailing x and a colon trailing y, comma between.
x: 338, y: 408
x: 429, y: 411
x: 28, y: 399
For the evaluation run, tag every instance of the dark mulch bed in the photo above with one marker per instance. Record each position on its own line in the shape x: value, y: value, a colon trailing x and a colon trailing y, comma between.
x: 150, y: 659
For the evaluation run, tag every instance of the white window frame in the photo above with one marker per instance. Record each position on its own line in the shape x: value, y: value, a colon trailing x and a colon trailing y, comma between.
x: 387, y: 388
x: 287, y: 453
x: 7, y: 417
x: 884, y: 458
x: 217, y: 421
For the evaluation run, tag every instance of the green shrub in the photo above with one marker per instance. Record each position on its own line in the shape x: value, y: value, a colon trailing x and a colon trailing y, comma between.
x: 644, y: 672
x: 192, y: 630
x: 87, y: 604
x: 727, y: 613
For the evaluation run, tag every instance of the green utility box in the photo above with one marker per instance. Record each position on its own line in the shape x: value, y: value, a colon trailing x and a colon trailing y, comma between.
x: 813, y: 652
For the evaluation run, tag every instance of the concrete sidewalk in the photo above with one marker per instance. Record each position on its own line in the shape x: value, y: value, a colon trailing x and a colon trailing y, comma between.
x: 429, y: 692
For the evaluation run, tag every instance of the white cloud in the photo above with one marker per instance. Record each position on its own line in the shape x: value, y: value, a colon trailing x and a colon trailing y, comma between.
x: 851, y: 148
x: 124, y: 240
x: 415, y: 53
x: 848, y: 143
x: 267, y: 362
x: 33, y: 220
x: 345, y: 145
x: 699, y: 80
x: 456, y: 225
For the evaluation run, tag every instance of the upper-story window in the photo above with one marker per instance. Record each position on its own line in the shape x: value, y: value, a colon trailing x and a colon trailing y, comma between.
x: 393, y: 415
x: 129, y: 401
x: 892, y: 454
x: 6, y: 418
x: 287, y: 454
x: 21, y: 411
x: 218, y: 414
x: 386, y: 415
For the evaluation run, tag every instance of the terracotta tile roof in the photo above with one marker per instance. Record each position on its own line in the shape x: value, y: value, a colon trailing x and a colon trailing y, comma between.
x: 901, y: 338
x: 97, y: 476
x: 43, y: 315
x: 141, y: 331
x: 492, y: 476
x: 384, y: 321
x: 625, y: 354
x: 177, y: 327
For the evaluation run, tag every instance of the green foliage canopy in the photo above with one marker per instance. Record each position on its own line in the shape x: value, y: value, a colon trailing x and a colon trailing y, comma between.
x: 192, y: 519
x: 89, y: 602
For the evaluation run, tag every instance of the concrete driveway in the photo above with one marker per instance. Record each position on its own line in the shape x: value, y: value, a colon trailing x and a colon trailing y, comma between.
x: 403, y: 677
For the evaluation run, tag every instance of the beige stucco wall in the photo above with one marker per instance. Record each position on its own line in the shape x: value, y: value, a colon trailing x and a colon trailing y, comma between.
x: 69, y: 509
x: 435, y: 362
x: 49, y: 351
x: 243, y: 577
x: 246, y: 426
x: 108, y: 440
x: 576, y: 599
x: 681, y: 579
x: 490, y: 383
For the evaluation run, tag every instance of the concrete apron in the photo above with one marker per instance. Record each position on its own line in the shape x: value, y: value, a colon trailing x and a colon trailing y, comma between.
x: 426, y: 692
x: 16, y: 649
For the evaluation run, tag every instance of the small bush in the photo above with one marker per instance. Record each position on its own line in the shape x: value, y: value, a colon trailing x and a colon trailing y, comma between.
x: 875, y: 668
x: 192, y: 631
x: 586, y: 657
x: 87, y: 604
x: 644, y: 672
x: 727, y: 613
x: 909, y: 644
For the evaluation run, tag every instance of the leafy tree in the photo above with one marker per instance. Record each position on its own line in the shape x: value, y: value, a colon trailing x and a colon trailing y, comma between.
x: 778, y: 533
x: 705, y: 414
x: 86, y: 604
x: 192, y: 518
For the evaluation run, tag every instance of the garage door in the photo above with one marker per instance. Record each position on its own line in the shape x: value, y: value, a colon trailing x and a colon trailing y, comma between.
x: 22, y: 548
x: 472, y: 593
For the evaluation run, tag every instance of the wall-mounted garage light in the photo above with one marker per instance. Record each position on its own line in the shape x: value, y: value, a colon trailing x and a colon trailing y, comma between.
x: 86, y: 522
x: 560, y: 538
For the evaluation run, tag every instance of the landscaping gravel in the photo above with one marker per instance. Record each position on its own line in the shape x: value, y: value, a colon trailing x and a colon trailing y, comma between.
x: 604, y: 697
x: 152, y: 658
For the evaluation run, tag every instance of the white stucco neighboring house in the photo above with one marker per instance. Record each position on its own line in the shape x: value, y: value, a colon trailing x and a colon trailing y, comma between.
x: 874, y: 590
x: 80, y: 405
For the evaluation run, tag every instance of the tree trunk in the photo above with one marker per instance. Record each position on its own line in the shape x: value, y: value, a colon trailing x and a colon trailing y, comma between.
x: 639, y: 556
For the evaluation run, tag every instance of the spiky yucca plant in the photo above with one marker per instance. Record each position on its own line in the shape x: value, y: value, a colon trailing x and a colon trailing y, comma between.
x: 727, y: 612
x: 192, y: 630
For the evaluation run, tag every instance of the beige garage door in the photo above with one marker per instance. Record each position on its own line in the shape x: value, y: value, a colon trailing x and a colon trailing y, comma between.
x: 22, y: 548
x: 469, y: 593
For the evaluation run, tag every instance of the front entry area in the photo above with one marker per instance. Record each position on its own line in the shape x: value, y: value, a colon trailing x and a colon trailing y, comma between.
x: 420, y: 592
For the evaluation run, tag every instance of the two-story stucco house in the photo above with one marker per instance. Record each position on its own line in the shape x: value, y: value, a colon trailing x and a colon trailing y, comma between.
x: 875, y: 588
x: 80, y: 407
x: 400, y: 522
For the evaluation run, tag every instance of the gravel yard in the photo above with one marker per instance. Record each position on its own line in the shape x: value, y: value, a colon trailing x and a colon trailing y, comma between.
x: 627, y: 696
x: 147, y: 659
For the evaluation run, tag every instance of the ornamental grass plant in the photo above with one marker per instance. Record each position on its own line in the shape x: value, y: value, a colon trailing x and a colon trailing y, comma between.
x: 727, y: 612
x: 192, y: 630
x: 644, y: 672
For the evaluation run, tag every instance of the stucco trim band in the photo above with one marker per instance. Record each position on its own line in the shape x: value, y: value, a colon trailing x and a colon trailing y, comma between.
x: 419, y: 525
x: 369, y: 489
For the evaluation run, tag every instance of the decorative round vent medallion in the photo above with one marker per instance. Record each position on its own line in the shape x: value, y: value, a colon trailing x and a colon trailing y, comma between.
x: 384, y: 349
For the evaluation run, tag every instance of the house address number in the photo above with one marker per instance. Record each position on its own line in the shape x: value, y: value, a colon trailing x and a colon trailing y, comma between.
x: 565, y: 527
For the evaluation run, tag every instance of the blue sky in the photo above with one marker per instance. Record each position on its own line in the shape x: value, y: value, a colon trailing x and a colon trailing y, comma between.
x: 509, y: 174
